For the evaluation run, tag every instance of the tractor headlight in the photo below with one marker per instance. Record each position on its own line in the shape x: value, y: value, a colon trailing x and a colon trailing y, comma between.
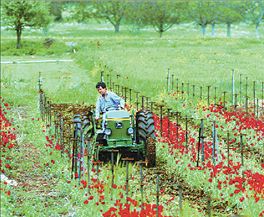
x: 130, y: 130
x: 108, y: 131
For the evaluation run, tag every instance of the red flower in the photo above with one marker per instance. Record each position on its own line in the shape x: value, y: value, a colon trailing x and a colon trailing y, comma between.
x: 84, y: 183
x: 241, y: 199
x: 8, y: 166
x: 86, y: 202
x: 11, y: 146
x: 57, y: 147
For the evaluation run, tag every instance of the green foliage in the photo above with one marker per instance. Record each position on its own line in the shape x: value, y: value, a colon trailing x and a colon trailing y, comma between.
x: 162, y: 15
x: 56, y: 9
x: 203, y: 12
x: 255, y: 13
x: 83, y: 12
x: 231, y: 12
x: 19, y: 14
x: 110, y: 10
x: 31, y: 47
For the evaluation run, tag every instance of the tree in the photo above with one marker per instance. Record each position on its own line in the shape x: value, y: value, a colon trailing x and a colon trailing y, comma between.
x: 135, y: 13
x: 255, y: 13
x: 204, y: 12
x: 162, y: 15
x: 19, y: 14
x: 111, y: 10
x: 231, y: 12
x: 56, y: 9
x: 83, y: 11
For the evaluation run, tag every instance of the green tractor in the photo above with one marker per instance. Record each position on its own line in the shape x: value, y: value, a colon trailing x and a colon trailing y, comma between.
x: 130, y: 135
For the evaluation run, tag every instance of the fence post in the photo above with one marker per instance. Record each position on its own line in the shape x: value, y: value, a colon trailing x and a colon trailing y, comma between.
x: 224, y: 100
x: 107, y: 80
x: 208, y: 95
x: 186, y: 132
x: 157, y: 196
x: 130, y: 95
x: 182, y: 91
x: 177, y: 126
x: 188, y: 89
x: 233, y: 86
x: 240, y: 89
x: 172, y: 82
x: 180, y: 197
x: 201, y: 92
x: 246, y: 87
x: 209, y: 205
x: 88, y: 165
x: 141, y: 184
x: 262, y: 96
x: 228, y: 149
x: 161, y: 120
x: 177, y: 86
x: 215, y: 96
x: 199, y: 141
x: 242, y: 149
x: 125, y: 94
x: 168, y: 114
x: 142, y: 102
x: 214, y: 140
x: 254, y: 97
x: 112, y: 171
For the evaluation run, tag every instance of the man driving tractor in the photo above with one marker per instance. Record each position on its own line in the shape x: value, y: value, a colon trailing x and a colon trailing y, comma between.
x: 108, y: 101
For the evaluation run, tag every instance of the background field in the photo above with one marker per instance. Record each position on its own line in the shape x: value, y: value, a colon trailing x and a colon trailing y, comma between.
x: 142, y: 60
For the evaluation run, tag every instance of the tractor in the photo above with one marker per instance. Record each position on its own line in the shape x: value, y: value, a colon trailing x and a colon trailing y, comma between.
x: 130, y: 136
x: 119, y: 131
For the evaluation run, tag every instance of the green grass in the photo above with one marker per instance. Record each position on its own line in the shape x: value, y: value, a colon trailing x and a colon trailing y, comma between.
x: 144, y: 58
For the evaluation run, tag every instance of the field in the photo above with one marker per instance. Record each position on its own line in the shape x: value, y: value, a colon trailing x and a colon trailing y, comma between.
x: 229, y: 181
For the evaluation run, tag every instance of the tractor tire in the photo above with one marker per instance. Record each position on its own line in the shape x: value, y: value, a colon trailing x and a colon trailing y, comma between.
x: 150, y: 157
x: 145, y: 132
x: 144, y: 126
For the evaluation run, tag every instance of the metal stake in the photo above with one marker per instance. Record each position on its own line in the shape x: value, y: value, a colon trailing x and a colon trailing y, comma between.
x: 157, y: 196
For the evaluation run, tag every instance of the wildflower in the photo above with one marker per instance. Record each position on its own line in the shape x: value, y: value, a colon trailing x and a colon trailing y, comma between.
x: 8, y: 166
x: 241, y: 199
x: 57, y: 147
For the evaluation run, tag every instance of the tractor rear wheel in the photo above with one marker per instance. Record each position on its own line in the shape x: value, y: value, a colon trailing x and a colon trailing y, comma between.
x: 145, y: 132
x: 144, y: 126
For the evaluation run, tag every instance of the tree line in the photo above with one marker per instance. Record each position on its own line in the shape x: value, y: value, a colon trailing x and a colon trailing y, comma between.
x: 159, y: 14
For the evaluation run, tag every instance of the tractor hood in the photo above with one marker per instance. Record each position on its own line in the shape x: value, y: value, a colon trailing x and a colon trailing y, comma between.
x: 117, y: 114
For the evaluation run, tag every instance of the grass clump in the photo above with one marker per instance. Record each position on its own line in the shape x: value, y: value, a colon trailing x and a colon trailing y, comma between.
x: 34, y: 47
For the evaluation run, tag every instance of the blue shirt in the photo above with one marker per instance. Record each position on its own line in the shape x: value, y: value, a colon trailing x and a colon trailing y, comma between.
x: 108, y: 102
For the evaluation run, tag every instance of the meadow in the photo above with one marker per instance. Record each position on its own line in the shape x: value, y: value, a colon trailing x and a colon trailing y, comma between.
x: 142, y: 60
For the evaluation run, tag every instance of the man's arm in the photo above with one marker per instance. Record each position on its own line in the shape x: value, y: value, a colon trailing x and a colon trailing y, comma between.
x: 97, y: 109
x: 118, y: 100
